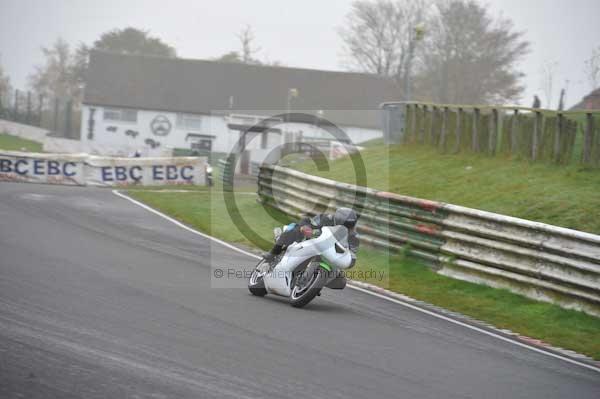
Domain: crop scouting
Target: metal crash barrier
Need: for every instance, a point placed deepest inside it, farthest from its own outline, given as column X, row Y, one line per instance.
column 540, row 261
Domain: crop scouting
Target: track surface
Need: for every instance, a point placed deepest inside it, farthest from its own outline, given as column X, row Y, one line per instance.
column 100, row 298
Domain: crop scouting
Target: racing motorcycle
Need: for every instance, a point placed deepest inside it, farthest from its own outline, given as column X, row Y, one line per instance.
column 305, row 267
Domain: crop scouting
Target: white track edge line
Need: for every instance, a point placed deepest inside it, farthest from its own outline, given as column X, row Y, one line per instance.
column 481, row 330
column 394, row 300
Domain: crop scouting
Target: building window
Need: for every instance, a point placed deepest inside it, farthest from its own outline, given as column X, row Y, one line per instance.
column 120, row 115
column 188, row 121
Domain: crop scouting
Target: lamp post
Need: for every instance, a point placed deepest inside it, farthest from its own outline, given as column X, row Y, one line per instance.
column 292, row 93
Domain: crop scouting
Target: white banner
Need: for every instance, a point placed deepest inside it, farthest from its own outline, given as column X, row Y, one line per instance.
column 33, row 167
column 82, row 169
column 108, row 171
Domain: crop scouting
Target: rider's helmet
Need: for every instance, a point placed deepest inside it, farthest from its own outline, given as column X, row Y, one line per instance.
column 345, row 217
column 322, row 219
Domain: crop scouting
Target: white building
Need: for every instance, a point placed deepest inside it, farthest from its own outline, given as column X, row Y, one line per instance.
column 157, row 105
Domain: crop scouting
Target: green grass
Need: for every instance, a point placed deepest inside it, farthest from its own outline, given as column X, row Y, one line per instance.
column 567, row 196
column 13, row 143
column 205, row 210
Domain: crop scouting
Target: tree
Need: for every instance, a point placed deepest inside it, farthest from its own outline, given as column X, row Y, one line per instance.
column 592, row 69
column 5, row 90
column 246, row 37
column 133, row 41
column 56, row 77
column 124, row 41
column 469, row 57
column 247, row 52
column 232, row 56
column 63, row 74
column 381, row 37
column 547, row 81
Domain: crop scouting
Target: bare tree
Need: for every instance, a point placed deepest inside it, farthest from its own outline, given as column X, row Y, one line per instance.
column 247, row 52
column 57, row 77
column 469, row 57
column 381, row 36
column 592, row 69
column 246, row 38
column 5, row 90
column 547, row 81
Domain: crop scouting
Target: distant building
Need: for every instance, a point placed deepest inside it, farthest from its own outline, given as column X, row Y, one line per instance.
column 591, row 101
column 153, row 105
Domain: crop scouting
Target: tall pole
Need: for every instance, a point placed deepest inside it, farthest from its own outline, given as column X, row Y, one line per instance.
column 419, row 32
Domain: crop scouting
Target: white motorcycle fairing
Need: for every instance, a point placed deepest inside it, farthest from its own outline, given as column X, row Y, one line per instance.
column 333, row 253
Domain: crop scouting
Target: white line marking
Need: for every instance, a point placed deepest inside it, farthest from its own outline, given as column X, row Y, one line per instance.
column 491, row 334
column 396, row 301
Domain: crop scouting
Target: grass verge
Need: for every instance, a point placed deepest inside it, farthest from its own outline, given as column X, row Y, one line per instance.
column 567, row 196
column 206, row 211
column 14, row 143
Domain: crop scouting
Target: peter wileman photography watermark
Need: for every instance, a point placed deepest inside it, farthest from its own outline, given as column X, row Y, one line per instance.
column 244, row 273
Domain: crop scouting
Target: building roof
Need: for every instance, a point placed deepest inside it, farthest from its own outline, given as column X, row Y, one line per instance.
column 594, row 93
column 199, row 86
column 582, row 105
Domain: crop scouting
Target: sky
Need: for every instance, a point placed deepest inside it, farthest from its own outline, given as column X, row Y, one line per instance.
column 296, row 33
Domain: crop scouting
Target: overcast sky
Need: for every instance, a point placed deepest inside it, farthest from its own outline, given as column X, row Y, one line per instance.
column 296, row 33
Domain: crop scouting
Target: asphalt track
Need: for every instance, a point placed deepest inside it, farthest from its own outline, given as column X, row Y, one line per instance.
column 100, row 298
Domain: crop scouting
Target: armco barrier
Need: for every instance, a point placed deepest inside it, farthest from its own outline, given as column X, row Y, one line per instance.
column 538, row 260
column 225, row 169
column 83, row 169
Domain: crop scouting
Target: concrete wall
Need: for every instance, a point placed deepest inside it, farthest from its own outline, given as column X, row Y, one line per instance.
column 24, row 131
column 61, row 145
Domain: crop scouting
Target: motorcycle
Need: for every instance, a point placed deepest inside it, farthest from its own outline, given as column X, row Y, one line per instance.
column 305, row 267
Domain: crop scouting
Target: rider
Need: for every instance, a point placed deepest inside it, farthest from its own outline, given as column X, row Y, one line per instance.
column 304, row 229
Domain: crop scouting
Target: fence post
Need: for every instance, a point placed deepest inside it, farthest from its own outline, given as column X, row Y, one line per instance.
column 475, row 133
column 432, row 135
column 535, row 137
column 413, row 121
column 68, row 113
column 422, row 127
column 493, row 136
column 457, row 133
column 588, row 138
column 55, row 114
column 40, row 108
column 16, row 107
column 444, row 127
column 558, row 133
column 28, row 117
column 514, row 127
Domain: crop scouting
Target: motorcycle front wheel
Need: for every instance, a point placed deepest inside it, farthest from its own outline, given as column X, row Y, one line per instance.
column 256, row 284
column 307, row 285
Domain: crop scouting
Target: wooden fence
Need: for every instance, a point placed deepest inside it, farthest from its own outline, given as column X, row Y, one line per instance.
column 559, row 137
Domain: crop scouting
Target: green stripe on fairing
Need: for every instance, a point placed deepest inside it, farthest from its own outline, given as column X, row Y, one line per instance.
column 325, row 266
